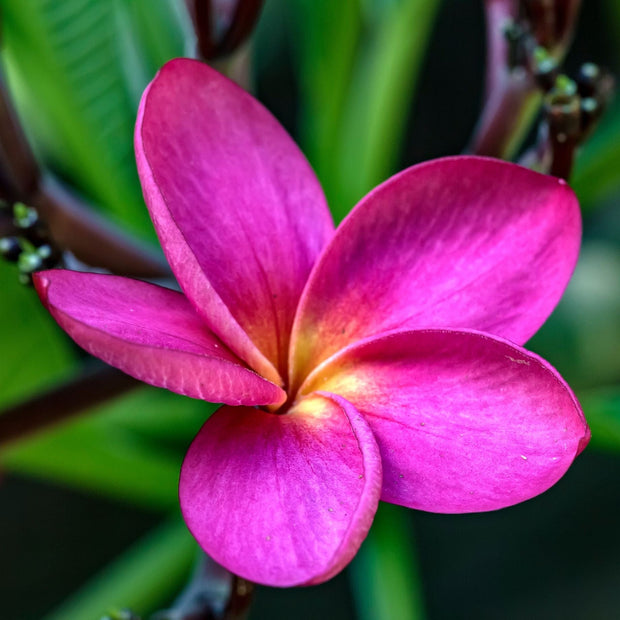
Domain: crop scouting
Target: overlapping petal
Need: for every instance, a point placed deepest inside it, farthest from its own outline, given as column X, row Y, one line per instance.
column 239, row 212
column 282, row 499
column 152, row 334
column 462, row 242
column 465, row 421
column 386, row 326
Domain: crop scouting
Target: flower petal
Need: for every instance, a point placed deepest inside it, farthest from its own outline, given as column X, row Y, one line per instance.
column 465, row 422
column 238, row 210
column 282, row 500
column 152, row 334
column 462, row 242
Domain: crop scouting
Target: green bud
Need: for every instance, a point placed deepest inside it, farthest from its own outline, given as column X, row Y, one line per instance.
column 541, row 55
column 24, row 216
column 564, row 86
column 29, row 262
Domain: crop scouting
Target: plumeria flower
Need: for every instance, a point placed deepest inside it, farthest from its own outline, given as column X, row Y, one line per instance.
column 382, row 360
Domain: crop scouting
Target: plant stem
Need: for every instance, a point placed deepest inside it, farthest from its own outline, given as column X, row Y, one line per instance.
column 507, row 115
column 498, row 13
column 63, row 402
column 511, row 93
column 212, row 592
column 90, row 237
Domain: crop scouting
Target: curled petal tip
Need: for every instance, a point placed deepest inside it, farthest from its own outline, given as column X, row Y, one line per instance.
column 41, row 284
column 466, row 422
column 584, row 441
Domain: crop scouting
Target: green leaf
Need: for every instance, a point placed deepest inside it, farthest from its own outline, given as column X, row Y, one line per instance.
column 159, row 416
column 149, row 34
column 35, row 353
column 376, row 111
column 129, row 449
column 163, row 29
column 611, row 10
column 602, row 411
column 582, row 337
column 597, row 175
column 143, row 579
column 385, row 577
column 66, row 72
column 327, row 37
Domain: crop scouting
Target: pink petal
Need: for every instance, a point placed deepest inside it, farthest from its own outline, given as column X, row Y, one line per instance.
column 465, row 422
column 282, row 500
column 152, row 334
column 238, row 210
column 462, row 242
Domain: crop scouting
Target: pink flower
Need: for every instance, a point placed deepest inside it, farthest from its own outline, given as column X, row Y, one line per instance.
column 390, row 347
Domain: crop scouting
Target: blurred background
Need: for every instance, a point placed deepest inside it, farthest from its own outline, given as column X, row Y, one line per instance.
column 88, row 508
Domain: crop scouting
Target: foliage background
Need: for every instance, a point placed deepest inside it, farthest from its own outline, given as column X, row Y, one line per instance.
column 73, row 500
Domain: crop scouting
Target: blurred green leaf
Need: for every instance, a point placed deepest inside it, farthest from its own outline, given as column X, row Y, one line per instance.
column 327, row 42
column 602, row 411
column 611, row 10
column 160, row 416
column 597, row 175
column 150, row 34
column 130, row 449
column 68, row 73
column 385, row 579
column 375, row 113
column 582, row 337
column 163, row 30
column 143, row 579
column 35, row 353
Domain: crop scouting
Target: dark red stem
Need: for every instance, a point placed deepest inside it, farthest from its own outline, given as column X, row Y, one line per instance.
column 74, row 396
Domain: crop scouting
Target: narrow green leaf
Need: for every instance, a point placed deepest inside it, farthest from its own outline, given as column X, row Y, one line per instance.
column 162, row 28
column 375, row 114
column 143, row 579
column 327, row 40
column 149, row 34
column 66, row 73
column 99, row 458
column 129, row 449
column 384, row 574
column 159, row 416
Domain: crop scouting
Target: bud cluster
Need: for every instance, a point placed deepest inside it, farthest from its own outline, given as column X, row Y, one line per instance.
column 537, row 38
column 31, row 246
column 571, row 110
